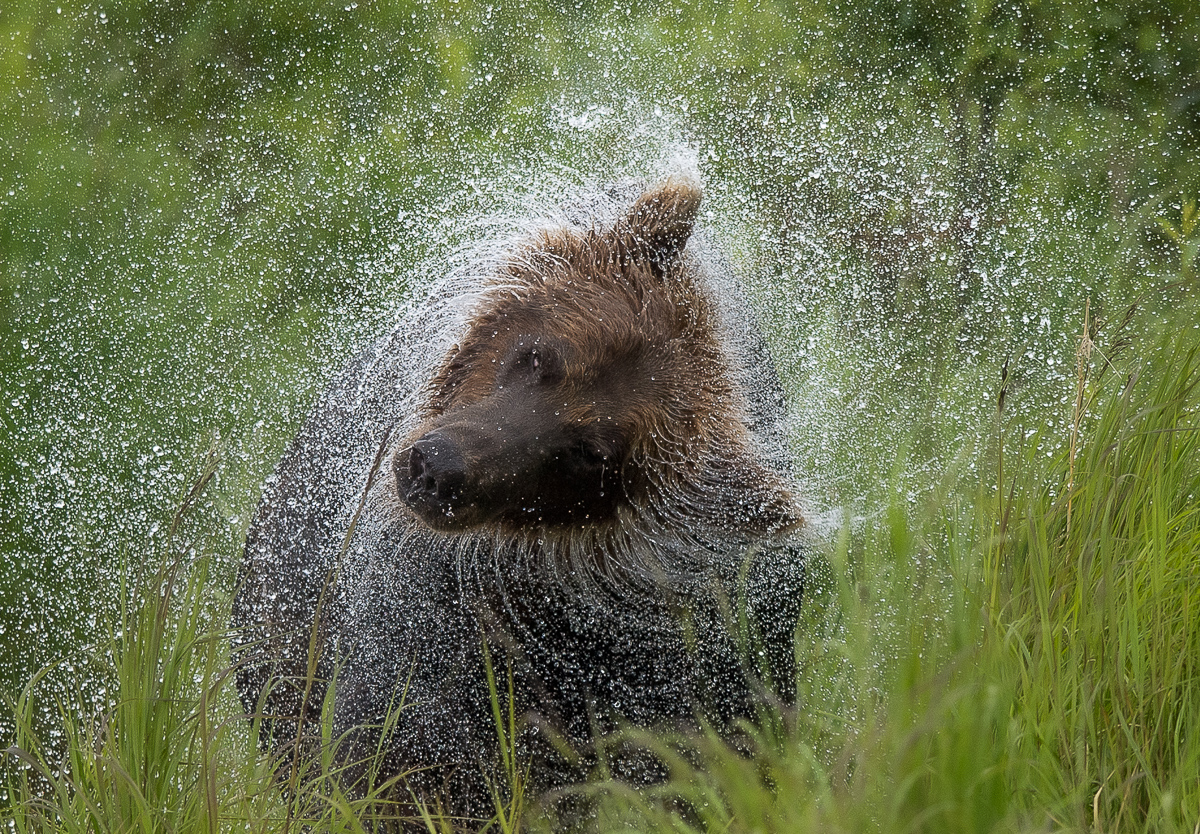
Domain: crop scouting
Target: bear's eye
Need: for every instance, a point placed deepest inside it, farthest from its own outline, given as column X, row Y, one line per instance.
column 596, row 450
column 539, row 362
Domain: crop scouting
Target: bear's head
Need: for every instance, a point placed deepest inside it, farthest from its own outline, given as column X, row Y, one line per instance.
column 592, row 386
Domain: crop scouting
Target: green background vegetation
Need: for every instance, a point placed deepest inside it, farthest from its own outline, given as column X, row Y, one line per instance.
column 206, row 207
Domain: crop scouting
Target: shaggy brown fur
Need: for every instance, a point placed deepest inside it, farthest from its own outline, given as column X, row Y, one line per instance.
column 580, row 481
column 629, row 345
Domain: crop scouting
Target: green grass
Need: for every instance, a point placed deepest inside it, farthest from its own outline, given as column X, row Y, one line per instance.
column 205, row 208
column 1009, row 657
column 1031, row 664
column 166, row 746
column 1104, row 603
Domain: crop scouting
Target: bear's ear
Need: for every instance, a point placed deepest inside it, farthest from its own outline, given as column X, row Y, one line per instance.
column 659, row 224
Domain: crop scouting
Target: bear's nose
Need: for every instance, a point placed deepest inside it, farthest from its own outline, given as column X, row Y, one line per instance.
column 432, row 477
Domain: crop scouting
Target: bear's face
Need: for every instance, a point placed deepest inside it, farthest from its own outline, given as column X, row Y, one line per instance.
column 538, row 414
column 590, row 377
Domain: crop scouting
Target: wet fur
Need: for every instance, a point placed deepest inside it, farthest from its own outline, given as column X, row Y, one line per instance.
column 626, row 615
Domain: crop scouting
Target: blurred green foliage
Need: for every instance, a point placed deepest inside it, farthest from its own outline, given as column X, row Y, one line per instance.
column 195, row 196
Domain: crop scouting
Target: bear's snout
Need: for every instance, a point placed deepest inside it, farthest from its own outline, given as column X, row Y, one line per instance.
column 508, row 464
column 431, row 477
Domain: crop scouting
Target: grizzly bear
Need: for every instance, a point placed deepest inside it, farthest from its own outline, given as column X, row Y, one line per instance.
column 565, row 471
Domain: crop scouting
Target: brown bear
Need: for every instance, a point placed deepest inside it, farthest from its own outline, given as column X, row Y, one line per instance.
column 568, row 463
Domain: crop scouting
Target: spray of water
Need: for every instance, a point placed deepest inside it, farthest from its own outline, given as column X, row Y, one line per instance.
column 842, row 231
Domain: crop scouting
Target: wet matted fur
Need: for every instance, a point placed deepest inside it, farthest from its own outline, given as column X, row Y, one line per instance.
column 582, row 467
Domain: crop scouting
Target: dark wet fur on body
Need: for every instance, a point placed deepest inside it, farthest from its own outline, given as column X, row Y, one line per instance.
column 582, row 479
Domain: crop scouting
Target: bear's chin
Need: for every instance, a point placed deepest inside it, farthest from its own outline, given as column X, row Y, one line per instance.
column 517, row 524
column 462, row 520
